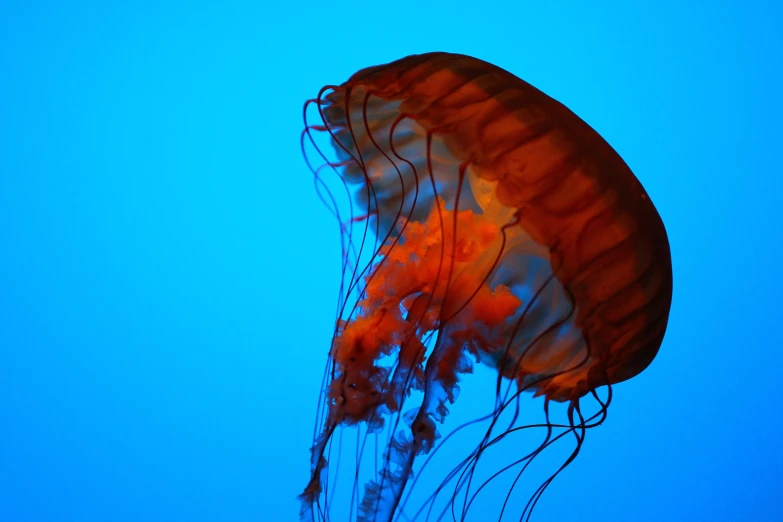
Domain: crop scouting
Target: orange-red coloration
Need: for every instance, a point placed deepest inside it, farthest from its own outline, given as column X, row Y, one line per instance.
column 505, row 230
column 408, row 294
column 571, row 193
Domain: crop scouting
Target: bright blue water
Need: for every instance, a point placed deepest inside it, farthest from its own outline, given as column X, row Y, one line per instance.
column 168, row 276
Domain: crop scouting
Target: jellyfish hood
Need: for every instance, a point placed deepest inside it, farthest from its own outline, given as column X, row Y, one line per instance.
column 527, row 159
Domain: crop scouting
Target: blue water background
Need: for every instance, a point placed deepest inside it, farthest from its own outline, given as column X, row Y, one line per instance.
column 168, row 275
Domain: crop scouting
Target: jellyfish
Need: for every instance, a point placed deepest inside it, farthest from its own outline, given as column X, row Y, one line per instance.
column 486, row 226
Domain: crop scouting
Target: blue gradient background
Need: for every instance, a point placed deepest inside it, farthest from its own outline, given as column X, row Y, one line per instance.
column 168, row 276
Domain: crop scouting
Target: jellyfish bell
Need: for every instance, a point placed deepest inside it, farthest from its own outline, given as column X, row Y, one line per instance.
column 489, row 225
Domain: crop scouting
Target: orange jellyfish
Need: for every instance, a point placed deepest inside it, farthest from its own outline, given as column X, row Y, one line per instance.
column 488, row 224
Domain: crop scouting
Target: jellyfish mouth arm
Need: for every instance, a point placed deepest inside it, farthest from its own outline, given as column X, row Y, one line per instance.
column 433, row 279
column 312, row 492
column 382, row 497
